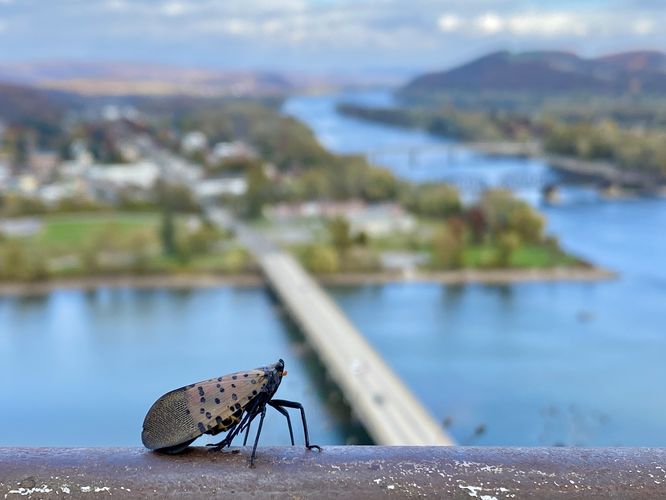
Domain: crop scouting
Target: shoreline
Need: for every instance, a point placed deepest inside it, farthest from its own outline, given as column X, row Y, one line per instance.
column 458, row 277
column 598, row 170
column 474, row 276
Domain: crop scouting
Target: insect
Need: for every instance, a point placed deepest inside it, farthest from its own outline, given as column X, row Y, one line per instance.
column 228, row 403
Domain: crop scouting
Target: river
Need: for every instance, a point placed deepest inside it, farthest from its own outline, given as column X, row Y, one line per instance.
column 530, row 364
column 81, row 368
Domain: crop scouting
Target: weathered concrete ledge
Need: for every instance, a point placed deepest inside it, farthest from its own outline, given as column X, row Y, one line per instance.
column 337, row 472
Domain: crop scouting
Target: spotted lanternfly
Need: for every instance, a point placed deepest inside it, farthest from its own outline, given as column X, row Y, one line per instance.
column 227, row 403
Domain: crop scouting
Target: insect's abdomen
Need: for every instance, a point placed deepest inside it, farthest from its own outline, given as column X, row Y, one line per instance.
column 169, row 423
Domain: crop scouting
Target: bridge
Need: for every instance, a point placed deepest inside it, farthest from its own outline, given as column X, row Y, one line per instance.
column 454, row 152
column 390, row 413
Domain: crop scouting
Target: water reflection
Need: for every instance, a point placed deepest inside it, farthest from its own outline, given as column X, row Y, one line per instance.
column 82, row 367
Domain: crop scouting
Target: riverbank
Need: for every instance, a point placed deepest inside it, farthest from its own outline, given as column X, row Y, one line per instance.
column 606, row 172
column 639, row 178
column 470, row 276
column 490, row 277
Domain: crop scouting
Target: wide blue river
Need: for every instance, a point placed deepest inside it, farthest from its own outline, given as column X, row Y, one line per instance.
column 529, row 364
column 532, row 364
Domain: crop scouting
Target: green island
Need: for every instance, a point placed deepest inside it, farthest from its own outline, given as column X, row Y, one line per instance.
column 498, row 232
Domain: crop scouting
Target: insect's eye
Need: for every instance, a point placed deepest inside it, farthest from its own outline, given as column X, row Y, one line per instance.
column 284, row 373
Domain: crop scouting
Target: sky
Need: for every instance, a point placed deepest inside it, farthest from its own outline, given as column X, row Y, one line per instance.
column 351, row 36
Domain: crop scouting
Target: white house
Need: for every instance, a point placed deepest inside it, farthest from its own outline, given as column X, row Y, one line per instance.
column 212, row 188
column 193, row 142
column 227, row 150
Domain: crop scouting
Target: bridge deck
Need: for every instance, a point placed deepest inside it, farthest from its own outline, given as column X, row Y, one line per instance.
column 386, row 407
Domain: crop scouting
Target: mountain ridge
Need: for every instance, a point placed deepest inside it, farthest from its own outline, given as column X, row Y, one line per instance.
column 550, row 72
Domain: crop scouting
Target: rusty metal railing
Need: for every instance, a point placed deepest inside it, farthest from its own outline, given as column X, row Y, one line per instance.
column 347, row 472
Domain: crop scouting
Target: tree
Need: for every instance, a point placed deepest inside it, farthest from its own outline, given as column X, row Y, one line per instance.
column 257, row 193
column 340, row 233
column 507, row 243
column 168, row 232
column 476, row 221
column 321, row 259
column 448, row 248
column 178, row 196
column 434, row 200
column 527, row 223
column 21, row 263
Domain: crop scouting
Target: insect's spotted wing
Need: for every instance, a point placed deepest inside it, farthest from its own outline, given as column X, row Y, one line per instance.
column 217, row 404
column 210, row 406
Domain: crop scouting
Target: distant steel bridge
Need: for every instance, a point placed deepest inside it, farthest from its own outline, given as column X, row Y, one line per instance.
column 454, row 152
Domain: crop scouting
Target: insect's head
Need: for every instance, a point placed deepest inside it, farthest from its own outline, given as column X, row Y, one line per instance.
column 279, row 366
column 274, row 372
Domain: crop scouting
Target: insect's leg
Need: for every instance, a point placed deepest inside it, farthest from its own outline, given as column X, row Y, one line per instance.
column 247, row 432
column 293, row 404
column 286, row 414
column 235, row 430
column 256, row 439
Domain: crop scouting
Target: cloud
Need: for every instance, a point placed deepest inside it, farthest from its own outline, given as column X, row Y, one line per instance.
column 313, row 32
column 490, row 23
column 547, row 24
column 174, row 9
column 116, row 5
column 643, row 26
column 521, row 24
column 449, row 22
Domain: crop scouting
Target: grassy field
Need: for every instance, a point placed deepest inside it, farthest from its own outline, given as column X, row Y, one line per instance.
column 526, row 256
column 71, row 232
column 83, row 245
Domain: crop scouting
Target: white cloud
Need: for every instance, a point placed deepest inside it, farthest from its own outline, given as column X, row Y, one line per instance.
column 116, row 5
column 546, row 24
column 174, row 9
column 643, row 26
column 359, row 31
column 490, row 23
column 449, row 22
column 525, row 24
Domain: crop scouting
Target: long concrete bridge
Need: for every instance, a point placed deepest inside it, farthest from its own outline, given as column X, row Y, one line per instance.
column 388, row 410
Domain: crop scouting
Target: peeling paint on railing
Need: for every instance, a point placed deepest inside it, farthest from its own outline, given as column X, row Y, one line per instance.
column 366, row 472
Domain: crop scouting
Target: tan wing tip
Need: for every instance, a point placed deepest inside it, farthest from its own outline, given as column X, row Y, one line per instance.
column 167, row 423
